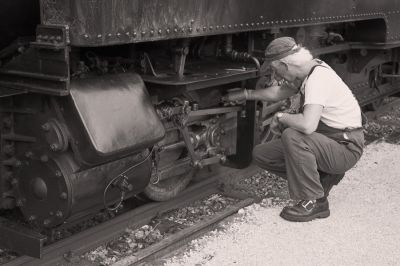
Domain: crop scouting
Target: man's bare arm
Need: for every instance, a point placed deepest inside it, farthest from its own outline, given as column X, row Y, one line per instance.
column 306, row 122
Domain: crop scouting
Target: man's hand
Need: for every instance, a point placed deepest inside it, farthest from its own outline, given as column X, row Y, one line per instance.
column 276, row 127
column 236, row 95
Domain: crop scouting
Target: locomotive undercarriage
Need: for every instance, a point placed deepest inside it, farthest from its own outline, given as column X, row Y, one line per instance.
column 58, row 167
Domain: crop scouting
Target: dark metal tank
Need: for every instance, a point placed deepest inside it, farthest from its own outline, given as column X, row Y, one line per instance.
column 104, row 22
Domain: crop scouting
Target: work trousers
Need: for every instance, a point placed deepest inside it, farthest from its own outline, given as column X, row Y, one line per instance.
column 299, row 158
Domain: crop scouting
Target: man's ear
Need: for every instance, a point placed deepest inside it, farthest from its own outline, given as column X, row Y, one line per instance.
column 283, row 65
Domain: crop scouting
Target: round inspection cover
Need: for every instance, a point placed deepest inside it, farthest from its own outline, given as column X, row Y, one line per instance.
column 44, row 192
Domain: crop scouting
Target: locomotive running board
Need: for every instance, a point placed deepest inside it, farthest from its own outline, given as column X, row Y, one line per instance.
column 21, row 239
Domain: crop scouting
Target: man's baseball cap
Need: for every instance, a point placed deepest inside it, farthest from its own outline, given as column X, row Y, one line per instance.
column 277, row 49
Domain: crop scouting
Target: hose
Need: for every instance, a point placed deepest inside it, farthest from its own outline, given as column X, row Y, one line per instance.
column 125, row 178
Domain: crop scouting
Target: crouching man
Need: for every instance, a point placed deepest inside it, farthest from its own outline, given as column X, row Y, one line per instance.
column 320, row 142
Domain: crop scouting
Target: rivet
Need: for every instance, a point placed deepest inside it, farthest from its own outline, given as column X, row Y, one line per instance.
column 198, row 29
column 175, row 30
column 86, row 36
column 134, row 34
column 63, row 196
column 99, row 36
column 192, row 21
column 190, row 29
column 28, row 154
column 32, row 218
column 127, row 33
column 204, row 28
column 229, row 26
column 252, row 24
column 59, row 214
column 217, row 27
column 168, row 31
column 143, row 33
column 118, row 34
column 262, row 23
column 58, row 173
column 241, row 25
column 183, row 29
column 152, row 32
column 261, row 17
column 109, row 35
column 211, row 27
column 258, row 24
column 44, row 158
column 236, row 25
column 14, row 182
column 46, row 222
column 223, row 26
column 247, row 25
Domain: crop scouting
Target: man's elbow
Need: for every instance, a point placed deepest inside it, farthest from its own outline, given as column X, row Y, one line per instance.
column 309, row 128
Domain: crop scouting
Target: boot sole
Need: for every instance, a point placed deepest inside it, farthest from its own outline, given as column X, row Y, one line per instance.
column 323, row 214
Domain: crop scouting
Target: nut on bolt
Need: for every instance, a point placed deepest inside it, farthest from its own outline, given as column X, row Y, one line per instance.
column 54, row 147
column 46, row 126
column 198, row 164
column 14, row 182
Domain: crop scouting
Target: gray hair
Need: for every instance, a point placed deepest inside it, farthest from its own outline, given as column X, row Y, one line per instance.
column 299, row 58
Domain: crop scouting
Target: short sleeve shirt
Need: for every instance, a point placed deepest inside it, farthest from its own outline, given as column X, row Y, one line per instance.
column 340, row 107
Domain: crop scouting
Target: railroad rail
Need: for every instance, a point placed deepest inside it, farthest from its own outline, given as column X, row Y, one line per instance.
column 68, row 249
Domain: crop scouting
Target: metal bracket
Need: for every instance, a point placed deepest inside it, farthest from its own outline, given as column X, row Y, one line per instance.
column 21, row 239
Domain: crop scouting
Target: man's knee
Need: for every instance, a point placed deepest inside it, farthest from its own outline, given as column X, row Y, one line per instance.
column 290, row 135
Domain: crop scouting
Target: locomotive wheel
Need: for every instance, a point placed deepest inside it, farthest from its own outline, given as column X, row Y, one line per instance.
column 169, row 188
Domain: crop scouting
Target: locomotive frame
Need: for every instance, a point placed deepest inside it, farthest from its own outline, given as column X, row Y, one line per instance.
column 107, row 99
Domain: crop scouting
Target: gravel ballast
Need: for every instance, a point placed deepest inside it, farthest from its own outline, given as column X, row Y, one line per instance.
column 363, row 229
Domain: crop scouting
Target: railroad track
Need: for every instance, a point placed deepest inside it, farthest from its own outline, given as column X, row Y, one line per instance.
column 67, row 250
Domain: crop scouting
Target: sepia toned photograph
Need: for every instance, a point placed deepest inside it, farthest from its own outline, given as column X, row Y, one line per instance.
column 199, row 132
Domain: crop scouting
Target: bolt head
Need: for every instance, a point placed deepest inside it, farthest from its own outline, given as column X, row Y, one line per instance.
column 54, row 147
column 46, row 126
column 20, row 203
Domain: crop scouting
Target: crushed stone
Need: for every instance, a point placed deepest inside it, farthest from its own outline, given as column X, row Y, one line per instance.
column 363, row 228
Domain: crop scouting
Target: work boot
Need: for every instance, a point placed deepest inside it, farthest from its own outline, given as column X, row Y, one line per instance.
column 306, row 210
column 328, row 181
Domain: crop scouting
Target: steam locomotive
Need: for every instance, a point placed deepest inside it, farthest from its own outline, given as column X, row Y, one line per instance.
column 101, row 100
